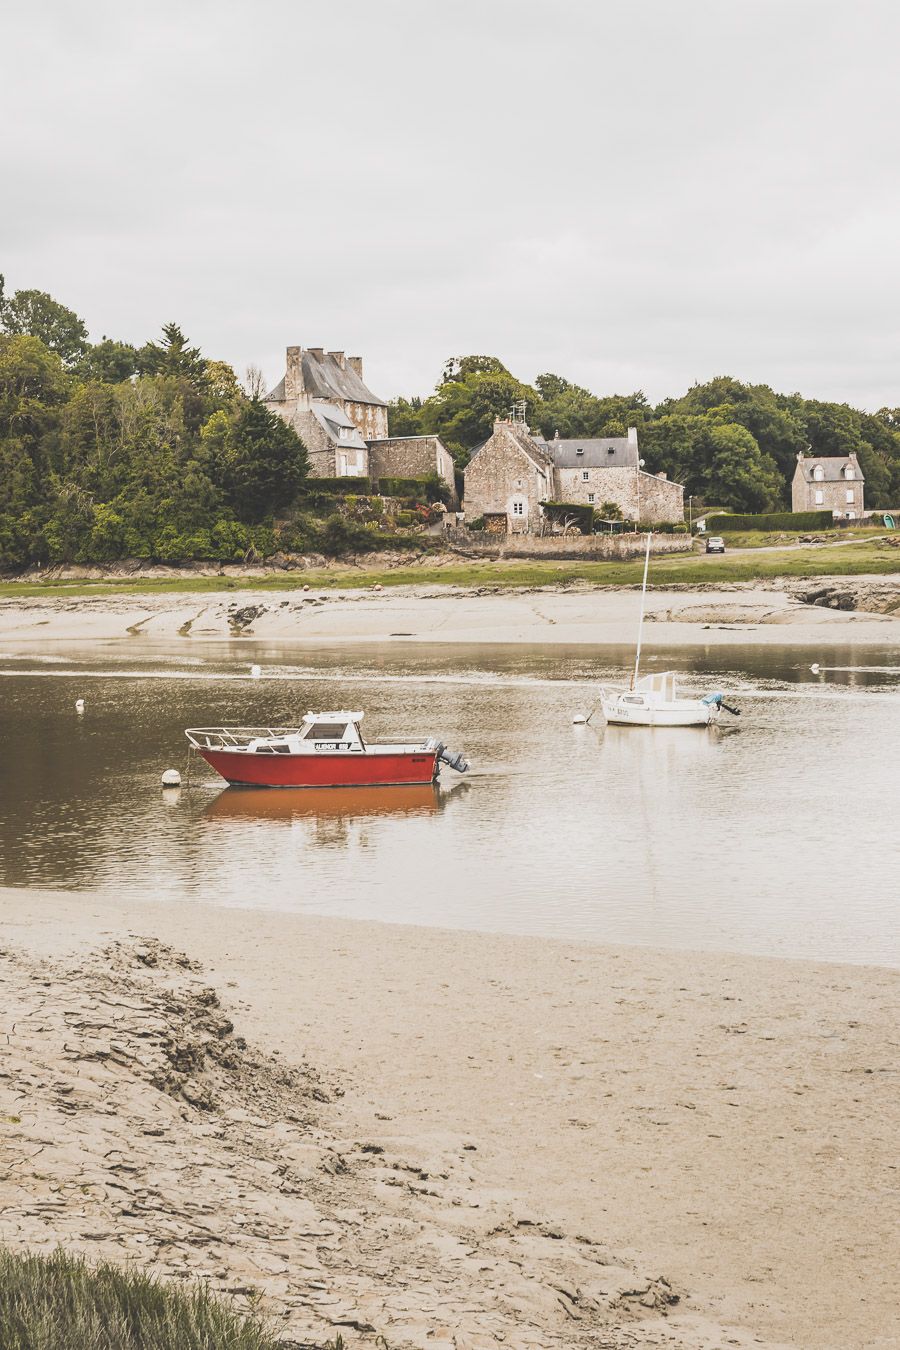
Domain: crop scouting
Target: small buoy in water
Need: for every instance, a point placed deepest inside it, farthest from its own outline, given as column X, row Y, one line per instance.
column 815, row 667
column 79, row 705
column 255, row 672
column 171, row 778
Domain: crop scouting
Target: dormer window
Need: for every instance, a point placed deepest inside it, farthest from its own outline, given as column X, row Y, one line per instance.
column 610, row 449
column 848, row 472
column 819, row 473
column 579, row 452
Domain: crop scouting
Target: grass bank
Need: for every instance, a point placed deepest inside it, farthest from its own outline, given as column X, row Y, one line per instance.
column 774, row 539
column 860, row 559
column 61, row 1303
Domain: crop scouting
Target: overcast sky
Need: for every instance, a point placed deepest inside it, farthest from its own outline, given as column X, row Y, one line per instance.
column 640, row 194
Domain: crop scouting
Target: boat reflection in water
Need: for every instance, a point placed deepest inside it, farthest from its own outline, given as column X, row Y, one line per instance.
column 338, row 803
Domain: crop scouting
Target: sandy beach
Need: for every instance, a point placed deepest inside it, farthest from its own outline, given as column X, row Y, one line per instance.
column 454, row 1139
column 828, row 611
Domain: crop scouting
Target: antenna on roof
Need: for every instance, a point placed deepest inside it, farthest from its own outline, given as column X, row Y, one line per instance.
column 517, row 411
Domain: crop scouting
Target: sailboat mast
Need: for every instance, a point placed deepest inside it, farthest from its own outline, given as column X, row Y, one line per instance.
column 637, row 655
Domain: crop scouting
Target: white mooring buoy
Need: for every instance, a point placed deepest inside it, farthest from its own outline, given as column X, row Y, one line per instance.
column 79, row 705
column 815, row 668
column 171, row 778
column 255, row 672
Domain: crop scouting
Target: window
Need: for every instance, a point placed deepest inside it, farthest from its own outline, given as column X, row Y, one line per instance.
column 579, row 452
column 585, row 477
column 518, row 508
column 325, row 731
column 820, row 496
column 849, row 494
column 590, row 496
column 819, row 473
column 848, row 472
column 610, row 449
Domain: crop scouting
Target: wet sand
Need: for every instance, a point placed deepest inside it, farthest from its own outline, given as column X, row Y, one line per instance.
column 551, row 616
column 452, row 1138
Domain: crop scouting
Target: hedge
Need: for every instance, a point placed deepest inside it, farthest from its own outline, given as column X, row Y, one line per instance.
column 575, row 512
column 337, row 487
column 778, row 520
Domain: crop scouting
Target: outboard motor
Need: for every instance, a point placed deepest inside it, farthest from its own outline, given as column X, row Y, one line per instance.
column 457, row 762
column 445, row 756
column 719, row 700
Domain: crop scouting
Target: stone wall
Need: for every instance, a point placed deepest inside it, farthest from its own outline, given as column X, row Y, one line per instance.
column 371, row 419
column 319, row 446
column 639, row 496
column 502, row 475
column 412, row 457
column 834, row 495
column 595, row 546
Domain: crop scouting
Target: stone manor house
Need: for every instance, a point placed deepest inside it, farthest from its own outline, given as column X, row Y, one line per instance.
column 344, row 426
column 832, row 483
column 514, row 471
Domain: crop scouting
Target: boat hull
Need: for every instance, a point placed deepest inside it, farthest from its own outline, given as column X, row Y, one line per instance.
column 659, row 715
column 323, row 770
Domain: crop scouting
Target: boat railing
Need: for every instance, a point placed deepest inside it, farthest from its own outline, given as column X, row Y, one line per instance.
column 233, row 738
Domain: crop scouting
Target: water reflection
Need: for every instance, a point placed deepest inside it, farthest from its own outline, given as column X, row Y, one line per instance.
column 286, row 804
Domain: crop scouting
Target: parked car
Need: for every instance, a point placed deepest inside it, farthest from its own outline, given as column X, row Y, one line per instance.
column 715, row 544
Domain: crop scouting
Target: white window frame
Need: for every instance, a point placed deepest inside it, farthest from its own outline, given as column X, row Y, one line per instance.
column 591, row 496
column 820, row 496
column 518, row 507
column 585, row 476
column 818, row 474
column 850, row 497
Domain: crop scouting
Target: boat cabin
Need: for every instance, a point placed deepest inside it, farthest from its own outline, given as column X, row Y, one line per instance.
column 320, row 731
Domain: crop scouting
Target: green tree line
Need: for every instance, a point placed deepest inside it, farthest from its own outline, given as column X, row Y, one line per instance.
column 731, row 444
column 110, row 451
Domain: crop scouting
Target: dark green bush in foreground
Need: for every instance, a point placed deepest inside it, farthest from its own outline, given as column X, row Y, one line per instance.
column 61, row 1303
column 775, row 520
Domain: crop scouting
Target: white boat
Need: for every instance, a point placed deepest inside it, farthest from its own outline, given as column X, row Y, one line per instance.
column 654, row 701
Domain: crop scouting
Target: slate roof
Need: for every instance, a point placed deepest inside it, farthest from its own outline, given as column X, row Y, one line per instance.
column 327, row 379
column 609, row 452
column 834, row 466
column 331, row 419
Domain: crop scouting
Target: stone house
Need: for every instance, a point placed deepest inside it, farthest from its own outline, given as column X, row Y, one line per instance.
column 344, row 425
column 514, row 471
column 832, row 483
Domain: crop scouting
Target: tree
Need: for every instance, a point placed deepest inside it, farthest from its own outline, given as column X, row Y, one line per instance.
column 463, row 409
column 258, row 458
column 36, row 314
column 173, row 356
column 109, row 361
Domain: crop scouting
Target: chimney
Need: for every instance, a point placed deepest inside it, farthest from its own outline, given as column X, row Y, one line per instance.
column 355, row 363
column 339, row 357
column 661, row 474
column 632, row 436
column 293, row 378
column 317, row 352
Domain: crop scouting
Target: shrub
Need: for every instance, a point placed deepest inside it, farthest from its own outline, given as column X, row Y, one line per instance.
column 776, row 520
column 572, row 512
column 335, row 487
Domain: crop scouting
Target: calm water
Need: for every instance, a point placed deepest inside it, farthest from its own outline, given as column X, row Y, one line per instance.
column 776, row 833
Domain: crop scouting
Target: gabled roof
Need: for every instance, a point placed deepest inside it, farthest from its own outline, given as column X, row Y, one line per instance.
column 324, row 377
column 532, row 449
column 833, row 467
column 607, row 452
column 332, row 421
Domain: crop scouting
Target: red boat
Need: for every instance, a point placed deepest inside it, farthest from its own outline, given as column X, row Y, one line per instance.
column 328, row 750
